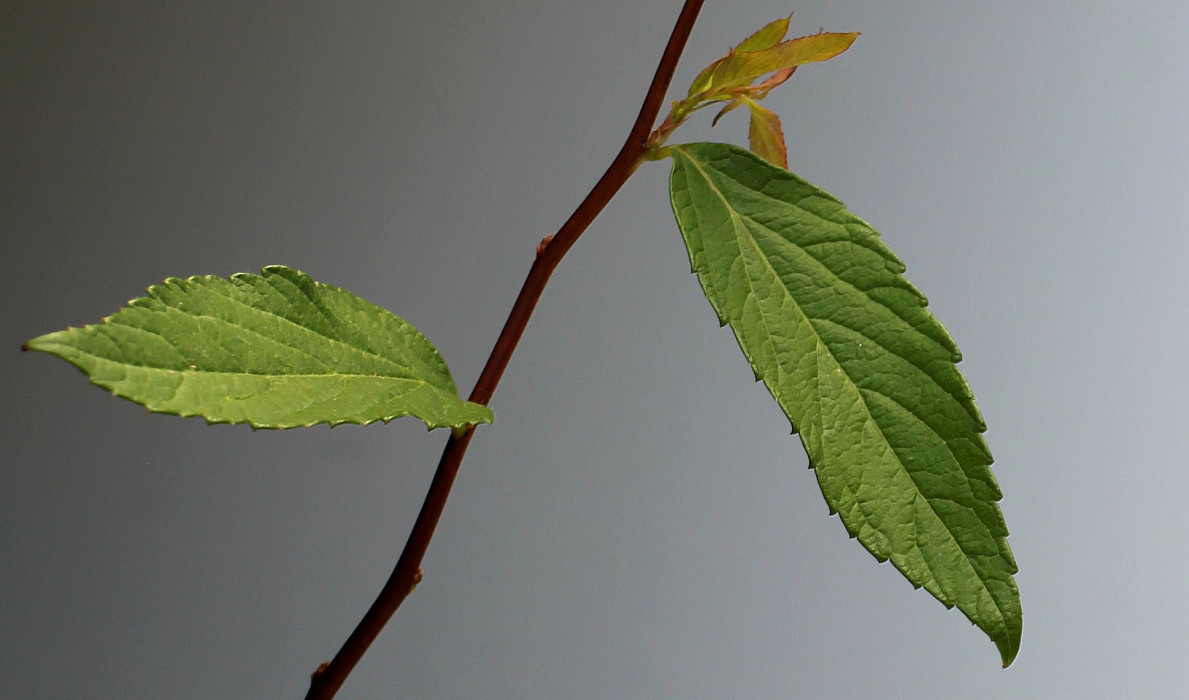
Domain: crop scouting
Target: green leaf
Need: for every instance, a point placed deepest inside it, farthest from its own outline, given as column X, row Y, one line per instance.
column 276, row 350
column 863, row 371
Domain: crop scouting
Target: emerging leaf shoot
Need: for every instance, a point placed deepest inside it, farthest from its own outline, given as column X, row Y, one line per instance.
column 741, row 66
column 276, row 350
column 729, row 81
column 861, row 368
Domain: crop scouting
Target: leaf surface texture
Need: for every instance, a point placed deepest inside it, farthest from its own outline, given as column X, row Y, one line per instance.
column 864, row 372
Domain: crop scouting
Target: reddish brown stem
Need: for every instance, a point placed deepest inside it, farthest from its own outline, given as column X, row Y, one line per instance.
column 329, row 678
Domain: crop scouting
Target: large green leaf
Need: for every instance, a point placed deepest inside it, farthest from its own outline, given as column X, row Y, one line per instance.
column 864, row 372
column 276, row 350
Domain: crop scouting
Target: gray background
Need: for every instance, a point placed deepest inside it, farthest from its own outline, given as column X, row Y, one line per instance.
column 638, row 523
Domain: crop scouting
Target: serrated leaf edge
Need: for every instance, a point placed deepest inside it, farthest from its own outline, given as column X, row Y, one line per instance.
column 1009, row 639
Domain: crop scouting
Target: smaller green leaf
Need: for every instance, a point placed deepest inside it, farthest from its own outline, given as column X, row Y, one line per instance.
column 276, row 350
column 765, row 137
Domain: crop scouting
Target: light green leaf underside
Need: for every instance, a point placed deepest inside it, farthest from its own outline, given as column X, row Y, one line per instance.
column 276, row 350
column 863, row 371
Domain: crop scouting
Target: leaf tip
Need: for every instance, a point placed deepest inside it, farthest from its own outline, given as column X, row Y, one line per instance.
column 41, row 342
column 1008, row 651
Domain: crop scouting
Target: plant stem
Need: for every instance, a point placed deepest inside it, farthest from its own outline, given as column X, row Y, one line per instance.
column 328, row 679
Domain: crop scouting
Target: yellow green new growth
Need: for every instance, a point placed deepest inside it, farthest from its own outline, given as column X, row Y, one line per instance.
column 730, row 81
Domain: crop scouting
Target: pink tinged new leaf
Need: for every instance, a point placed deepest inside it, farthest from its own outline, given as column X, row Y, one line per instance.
column 760, row 90
column 765, row 137
column 756, row 92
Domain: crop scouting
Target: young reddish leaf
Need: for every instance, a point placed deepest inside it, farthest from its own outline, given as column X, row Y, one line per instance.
column 765, row 137
column 761, row 89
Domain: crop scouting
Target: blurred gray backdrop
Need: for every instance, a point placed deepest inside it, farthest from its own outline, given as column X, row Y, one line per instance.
column 638, row 523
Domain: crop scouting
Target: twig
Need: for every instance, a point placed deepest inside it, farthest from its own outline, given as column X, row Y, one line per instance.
column 326, row 681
